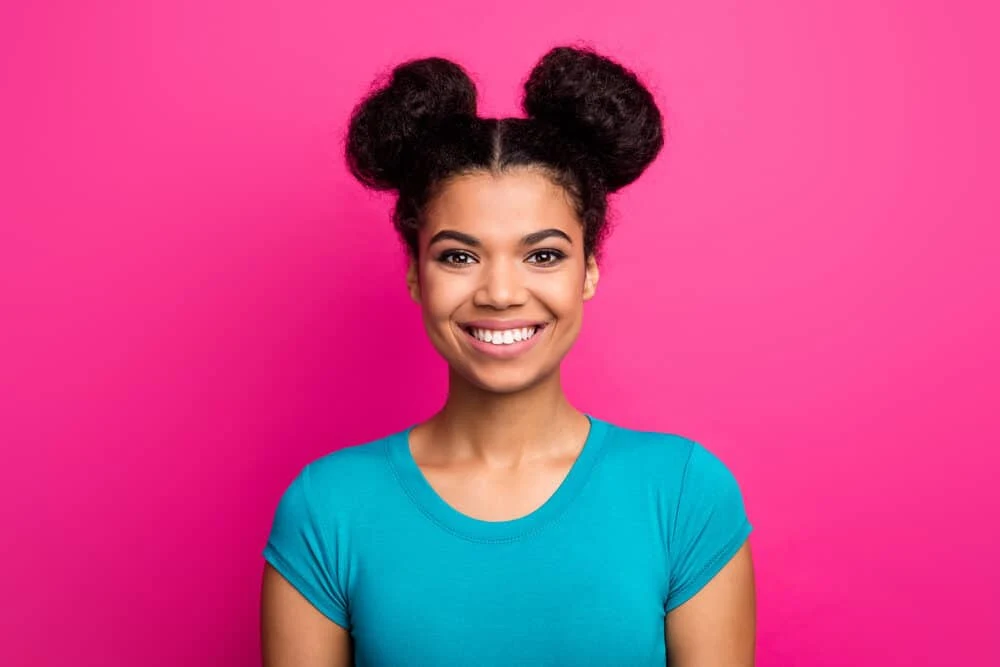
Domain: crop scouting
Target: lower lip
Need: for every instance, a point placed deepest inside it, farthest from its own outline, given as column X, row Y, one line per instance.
column 503, row 351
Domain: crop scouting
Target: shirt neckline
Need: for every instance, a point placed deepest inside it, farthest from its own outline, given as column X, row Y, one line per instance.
column 424, row 496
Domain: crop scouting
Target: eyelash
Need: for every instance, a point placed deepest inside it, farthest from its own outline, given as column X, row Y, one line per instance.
column 556, row 256
column 446, row 257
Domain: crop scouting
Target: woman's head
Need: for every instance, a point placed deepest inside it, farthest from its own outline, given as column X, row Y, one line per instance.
column 504, row 218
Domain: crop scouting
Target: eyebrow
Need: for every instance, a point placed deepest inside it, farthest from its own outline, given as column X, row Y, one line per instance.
column 472, row 241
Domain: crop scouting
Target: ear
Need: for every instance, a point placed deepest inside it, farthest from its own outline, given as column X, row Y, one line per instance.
column 590, row 278
column 413, row 280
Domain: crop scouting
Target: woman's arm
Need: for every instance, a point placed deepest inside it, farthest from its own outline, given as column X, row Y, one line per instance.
column 717, row 626
column 294, row 633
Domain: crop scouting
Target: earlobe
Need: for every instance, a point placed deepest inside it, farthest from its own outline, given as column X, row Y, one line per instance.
column 591, row 277
column 413, row 280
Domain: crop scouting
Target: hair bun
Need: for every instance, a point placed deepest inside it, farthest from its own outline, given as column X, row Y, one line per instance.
column 386, row 125
column 601, row 104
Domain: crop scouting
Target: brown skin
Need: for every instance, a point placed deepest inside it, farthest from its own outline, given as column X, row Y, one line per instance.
column 717, row 626
column 503, row 418
column 294, row 633
column 507, row 436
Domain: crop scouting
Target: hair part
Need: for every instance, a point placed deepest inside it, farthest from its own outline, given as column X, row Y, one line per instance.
column 590, row 126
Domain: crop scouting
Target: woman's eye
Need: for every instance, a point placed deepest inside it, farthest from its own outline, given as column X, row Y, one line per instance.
column 456, row 257
column 545, row 257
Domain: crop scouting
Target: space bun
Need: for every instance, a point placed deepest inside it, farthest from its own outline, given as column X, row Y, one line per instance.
column 388, row 125
column 602, row 106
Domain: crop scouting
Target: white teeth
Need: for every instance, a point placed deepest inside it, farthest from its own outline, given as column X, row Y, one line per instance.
column 505, row 337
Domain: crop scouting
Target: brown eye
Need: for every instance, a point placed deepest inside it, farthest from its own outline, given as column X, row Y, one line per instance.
column 456, row 257
column 546, row 257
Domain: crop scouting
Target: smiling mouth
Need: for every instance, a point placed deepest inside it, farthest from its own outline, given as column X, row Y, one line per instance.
column 500, row 337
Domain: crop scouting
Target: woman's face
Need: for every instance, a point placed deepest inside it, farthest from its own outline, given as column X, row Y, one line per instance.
column 502, row 277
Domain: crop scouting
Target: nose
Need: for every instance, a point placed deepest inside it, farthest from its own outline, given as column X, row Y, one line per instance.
column 502, row 286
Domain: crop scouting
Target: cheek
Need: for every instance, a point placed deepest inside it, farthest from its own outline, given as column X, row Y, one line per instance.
column 440, row 294
column 563, row 296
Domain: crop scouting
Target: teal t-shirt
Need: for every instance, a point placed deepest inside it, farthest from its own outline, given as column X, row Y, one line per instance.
column 640, row 524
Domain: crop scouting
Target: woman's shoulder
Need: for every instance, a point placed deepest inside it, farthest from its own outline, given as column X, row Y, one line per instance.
column 352, row 455
column 690, row 479
column 673, row 456
column 651, row 444
column 350, row 471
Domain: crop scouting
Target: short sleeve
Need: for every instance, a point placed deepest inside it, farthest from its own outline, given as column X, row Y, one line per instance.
column 298, row 549
column 710, row 525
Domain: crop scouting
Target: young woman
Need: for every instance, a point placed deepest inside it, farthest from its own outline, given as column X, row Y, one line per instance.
column 509, row 528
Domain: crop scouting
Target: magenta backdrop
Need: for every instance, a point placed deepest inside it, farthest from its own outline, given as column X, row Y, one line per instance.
column 197, row 300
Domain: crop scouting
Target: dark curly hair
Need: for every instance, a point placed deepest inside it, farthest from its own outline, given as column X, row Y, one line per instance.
column 591, row 126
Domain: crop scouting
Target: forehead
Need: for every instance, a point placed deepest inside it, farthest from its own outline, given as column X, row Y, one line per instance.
column 502, row 206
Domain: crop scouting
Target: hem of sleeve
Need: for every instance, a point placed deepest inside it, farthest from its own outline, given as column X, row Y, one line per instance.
column 306, row 589
column 711, row 569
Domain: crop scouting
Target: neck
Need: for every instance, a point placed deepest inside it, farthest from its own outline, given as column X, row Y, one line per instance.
column 506, row 429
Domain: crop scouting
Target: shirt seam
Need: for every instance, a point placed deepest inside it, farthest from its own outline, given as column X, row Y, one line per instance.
column 495, row 540
column 327, row 543
column 680, row 496
column 313, row 594
column 737, row 538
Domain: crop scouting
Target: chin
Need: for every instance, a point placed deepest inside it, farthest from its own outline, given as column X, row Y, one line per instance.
column 508, row 381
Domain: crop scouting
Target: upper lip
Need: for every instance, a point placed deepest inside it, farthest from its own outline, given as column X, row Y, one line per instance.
column 501, row 325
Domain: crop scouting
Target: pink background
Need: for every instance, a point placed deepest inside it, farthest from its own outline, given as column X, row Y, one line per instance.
column 195, row 300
